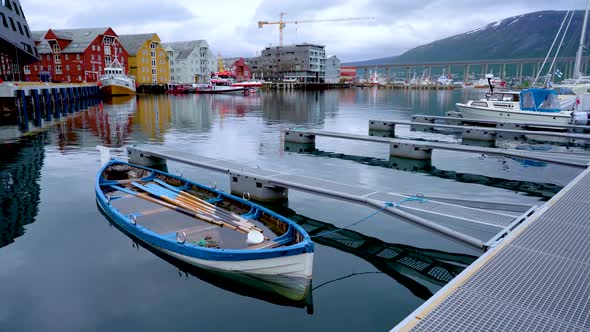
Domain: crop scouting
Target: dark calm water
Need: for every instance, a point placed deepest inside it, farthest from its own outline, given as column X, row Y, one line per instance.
column 64, row 268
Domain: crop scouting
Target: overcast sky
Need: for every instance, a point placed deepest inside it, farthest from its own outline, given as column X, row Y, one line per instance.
column 231, row 28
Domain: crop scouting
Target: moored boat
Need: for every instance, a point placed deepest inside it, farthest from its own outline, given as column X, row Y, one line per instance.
column 529, row 105
column 114, row 82
column 205, row 227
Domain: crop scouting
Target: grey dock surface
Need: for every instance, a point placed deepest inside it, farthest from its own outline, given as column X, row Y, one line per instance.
column 485, row 227
column 537, row 279
column 499, row 123
column 555, row 158
column 582, row 137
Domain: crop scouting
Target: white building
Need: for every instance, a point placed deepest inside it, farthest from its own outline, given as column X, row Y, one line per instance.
column 332, row 69
column 190, row 61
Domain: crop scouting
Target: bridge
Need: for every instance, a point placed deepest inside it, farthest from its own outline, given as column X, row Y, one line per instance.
column 500, row 66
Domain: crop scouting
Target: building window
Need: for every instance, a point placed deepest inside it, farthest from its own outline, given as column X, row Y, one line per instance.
column 93, row 68
column 79, row 78
column 153, row 54
column 4, row 20
column 15, row 8
column 154, row 79
column 98, row 47
column 91, row 56
column 20, row 28
column 55, row 48
column 78, row 57
column 12, row 23
column 40, row 67
column 107, row 60
column 153, row 63
column 79, row 67
column 67, row 67
column 56, row 58
column 99, row 68
column 154, row 71
column 26, row 70
column 58, row 69
column 107, row 50
column 67, row 57
column 153, row 45
column 68, row 78
column 93, row 48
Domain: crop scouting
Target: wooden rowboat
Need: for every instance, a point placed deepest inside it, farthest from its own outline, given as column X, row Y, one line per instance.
column 205, row 227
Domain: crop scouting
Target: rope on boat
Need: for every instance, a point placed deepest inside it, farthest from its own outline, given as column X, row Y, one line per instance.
column 418, row 197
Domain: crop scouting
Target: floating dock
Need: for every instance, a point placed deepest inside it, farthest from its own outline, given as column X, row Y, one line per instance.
column 422, row 150
column 537, row 279
column 506, row 131
column 264, row 185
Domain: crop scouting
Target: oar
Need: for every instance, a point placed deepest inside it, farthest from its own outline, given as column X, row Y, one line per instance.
column 208, row 205
column 173, row 201
column 176, row 208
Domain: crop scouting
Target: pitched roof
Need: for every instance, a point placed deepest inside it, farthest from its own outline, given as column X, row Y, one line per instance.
column 184, row 48
column 38, row 35
column 80, row 39
column 132, row 43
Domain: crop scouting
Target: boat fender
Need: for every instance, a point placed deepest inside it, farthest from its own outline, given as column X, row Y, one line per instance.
column 133, row 219
column 254, row 237
column 580, row 118
column 246, row 195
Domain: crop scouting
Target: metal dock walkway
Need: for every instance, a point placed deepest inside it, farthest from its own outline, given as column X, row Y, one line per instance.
column 449, row 219
column 537, row 279
column 303, row 135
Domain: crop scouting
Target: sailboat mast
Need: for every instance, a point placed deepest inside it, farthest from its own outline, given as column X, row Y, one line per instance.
column 578, row 65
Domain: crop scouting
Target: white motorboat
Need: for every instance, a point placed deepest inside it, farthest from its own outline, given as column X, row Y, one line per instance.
column 530, row 105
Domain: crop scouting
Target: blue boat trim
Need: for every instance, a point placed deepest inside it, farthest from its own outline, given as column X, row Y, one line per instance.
column 190, row 250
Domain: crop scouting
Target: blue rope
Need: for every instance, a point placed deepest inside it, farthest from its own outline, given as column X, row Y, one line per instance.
column 418, row 197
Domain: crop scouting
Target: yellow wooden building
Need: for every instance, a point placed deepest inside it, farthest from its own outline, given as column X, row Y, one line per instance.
column 148, row 61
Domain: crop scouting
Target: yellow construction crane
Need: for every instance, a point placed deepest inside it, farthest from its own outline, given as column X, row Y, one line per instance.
column 282, row 23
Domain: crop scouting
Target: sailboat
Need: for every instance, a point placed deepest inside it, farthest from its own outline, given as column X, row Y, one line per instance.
column 556, row 105
column 580, row 83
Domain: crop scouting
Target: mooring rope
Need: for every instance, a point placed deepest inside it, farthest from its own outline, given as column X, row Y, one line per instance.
column 418, row 197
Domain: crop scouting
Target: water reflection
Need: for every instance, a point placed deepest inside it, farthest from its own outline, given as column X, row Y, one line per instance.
column 20, row 170
column 112, row 121
column 534, row 189
column 421, row 271
column 154, row 116
column 294, row 107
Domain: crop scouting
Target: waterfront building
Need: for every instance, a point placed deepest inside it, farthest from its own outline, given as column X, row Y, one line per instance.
column 75, row 55
column 190, row 61
column 347, row 73
column 302, row 62
column 17, row 48
column 333, row 69
column 240, row 70
column 148, row 60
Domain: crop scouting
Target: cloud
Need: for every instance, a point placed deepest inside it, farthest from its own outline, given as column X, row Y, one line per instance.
column 231, row 28
column 130, row 12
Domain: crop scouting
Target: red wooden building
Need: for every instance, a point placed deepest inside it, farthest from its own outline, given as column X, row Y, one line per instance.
column 240, row 70
column 75, row 55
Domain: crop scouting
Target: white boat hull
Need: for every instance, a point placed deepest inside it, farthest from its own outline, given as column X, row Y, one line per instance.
column 220, row 89
column 515, row 116
column 115, row 86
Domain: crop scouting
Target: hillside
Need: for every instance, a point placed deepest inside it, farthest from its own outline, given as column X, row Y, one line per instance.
column 523, row 36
